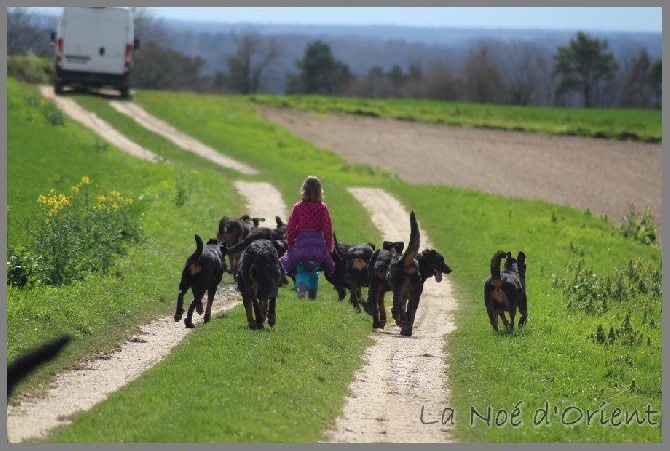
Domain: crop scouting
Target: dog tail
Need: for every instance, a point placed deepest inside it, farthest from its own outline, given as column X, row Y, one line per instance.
column 22, row 366
column 414, row 239
column 198, row 244
column 495, row 263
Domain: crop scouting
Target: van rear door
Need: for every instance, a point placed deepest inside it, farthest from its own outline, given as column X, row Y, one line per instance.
column 95, row 39
column 113, row 37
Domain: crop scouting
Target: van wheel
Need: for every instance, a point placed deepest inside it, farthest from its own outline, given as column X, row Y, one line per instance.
column 125, row 92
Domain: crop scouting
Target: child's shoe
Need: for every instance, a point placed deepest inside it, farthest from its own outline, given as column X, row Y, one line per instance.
column 301, row 290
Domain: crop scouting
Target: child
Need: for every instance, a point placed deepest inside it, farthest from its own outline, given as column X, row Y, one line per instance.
column 309, row 237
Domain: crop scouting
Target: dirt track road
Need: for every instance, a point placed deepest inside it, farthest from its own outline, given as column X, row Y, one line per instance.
column 602, row 175
column 401, row 375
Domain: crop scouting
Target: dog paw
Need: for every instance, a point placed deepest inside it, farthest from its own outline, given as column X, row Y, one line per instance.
column 177, row 317
column 206, row 318
column 271, row 321
column 253, row 325
column 199, row 308
column 189, row 324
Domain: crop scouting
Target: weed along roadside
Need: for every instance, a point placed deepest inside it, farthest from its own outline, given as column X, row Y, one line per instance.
column 80, row 390
column 589, row 356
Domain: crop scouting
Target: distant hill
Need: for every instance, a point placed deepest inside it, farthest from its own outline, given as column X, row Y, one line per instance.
column 362, row 47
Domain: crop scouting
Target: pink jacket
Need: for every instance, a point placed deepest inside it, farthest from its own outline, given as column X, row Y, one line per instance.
column 306, row 216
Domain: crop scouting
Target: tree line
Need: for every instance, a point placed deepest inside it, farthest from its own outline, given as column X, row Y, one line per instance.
column 584, row 72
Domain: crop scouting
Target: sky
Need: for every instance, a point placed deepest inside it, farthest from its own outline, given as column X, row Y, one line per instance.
column 637, row 19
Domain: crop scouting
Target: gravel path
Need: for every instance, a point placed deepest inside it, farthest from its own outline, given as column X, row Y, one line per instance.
column 402, row 375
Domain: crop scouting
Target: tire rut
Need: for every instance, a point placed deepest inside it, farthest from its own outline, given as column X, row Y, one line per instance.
column 403, row 377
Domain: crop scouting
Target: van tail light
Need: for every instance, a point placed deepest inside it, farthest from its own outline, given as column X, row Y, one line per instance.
column 59, row 49
column 129, row 55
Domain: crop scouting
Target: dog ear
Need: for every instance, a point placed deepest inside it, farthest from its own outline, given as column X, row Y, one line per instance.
column 521, row 258
column 195, row 268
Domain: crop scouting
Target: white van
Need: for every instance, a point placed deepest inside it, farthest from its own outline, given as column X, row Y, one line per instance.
column 94, row 48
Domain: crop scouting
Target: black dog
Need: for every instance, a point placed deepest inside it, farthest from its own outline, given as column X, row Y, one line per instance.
column 339, row 278
column 259, row 276
column 233, row 231
column 407, row 276
column 506, row 291
column 202, row 272
column 351, row 262
column 22, row 366
column 378, row 268
column 357, row 260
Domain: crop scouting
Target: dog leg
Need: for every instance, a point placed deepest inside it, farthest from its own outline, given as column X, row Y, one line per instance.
column 524, row 318
column 188, row 321
column 512, row 314
column 208, row 308
column 180, row 306
column 272, row 314
column 251, row 322
column 258, row 313
column 381, row 310
column 412, row 307
column 504, row 319
column 354, row 295
column 406, row 324
column 493, row 319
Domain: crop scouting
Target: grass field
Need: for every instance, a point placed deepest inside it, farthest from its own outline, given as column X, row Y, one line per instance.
column 250, row 383
column 643, row 125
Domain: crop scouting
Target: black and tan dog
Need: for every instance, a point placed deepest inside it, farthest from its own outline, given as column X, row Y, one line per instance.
column 259, row 276
column 351, row 269
column 506, row 291
column 357, row 260
column 407, row 276
column 232, row 231
column 202, row 273
column 378, row 284
column 338, row 279
column 256, row 233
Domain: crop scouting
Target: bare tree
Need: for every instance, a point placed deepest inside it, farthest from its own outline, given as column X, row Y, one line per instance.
column 28, row 33
column 254, row 58
column 525, row 71
column 483, row 81
column 636, row 91
column 441, row 83
column 148, row 28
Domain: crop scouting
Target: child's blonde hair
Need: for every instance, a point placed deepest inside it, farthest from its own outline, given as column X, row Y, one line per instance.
column 311, row 189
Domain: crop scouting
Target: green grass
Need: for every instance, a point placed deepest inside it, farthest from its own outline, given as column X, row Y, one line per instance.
column 99, row 311
column 244, row 388
column 278, row 385
column 644, row 125
column 554, row 359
